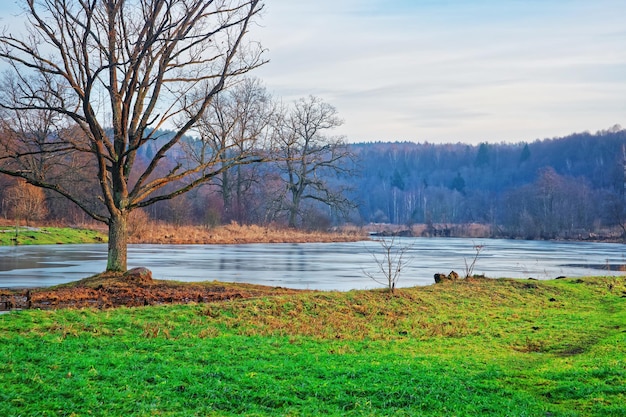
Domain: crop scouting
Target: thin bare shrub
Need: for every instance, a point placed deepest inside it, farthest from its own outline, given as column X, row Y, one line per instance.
column 390, row 264
column 469, row 268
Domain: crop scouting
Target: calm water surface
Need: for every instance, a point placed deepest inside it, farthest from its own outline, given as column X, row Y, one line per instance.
column 323, row 266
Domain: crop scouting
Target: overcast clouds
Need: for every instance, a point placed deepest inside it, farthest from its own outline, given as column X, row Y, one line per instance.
column 452, row 70
column 449, row 70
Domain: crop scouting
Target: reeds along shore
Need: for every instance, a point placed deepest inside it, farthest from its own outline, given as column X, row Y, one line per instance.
column 235, row 233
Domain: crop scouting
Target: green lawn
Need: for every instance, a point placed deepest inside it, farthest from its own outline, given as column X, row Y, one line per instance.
column 48, row 235
column 470, row 348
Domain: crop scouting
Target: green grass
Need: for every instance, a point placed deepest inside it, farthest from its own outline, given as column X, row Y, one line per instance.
column 470, row 348
column 48, row 236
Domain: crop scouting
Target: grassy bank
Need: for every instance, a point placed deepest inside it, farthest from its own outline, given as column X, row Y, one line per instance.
column 468, row 348
column 10, row 235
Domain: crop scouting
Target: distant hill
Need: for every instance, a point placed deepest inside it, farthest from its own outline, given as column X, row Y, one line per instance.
column 558, row 187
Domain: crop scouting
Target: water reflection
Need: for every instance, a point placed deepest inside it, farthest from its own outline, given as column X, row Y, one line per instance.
column 329, row 266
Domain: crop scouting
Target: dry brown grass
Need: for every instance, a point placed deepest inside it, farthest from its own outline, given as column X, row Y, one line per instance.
column 144, row 230
column 161, row 233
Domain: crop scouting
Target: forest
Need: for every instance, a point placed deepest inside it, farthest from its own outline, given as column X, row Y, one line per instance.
column 570, row 187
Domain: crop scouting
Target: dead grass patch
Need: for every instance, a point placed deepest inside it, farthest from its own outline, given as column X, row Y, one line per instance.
column 234, row 233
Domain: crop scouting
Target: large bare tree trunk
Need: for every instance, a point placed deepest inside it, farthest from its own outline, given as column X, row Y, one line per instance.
column 118, row 239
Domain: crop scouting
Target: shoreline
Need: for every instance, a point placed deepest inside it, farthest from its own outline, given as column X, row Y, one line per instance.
column 233, row 233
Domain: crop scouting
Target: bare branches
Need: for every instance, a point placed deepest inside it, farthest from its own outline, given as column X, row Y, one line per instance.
column 469, row 268
column 120, row 70
column 390, row 264
column 234, row 129
column 129, row 65
column 305, row 152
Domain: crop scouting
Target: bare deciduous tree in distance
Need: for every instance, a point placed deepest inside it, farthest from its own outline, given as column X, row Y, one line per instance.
column 238, row 121
column 26, row 202
column 306, row 151
column 121, row 71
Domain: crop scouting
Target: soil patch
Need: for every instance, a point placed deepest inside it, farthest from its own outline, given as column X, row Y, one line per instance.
column 114, row 290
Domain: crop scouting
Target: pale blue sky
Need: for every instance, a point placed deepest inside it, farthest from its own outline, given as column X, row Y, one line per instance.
column 452, row 70
column 448, row 70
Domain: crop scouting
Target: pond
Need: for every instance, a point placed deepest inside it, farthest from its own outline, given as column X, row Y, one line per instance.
column 320, row 266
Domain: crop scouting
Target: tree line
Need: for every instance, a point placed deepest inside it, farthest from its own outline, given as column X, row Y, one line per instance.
column 271, row 164
column 570, row 187
column 552, row 188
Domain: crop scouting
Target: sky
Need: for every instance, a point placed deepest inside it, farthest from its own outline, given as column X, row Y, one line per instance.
column 447, row 71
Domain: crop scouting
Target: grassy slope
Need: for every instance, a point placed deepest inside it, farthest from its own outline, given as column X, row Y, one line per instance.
column 49, row 236
column 479, row 347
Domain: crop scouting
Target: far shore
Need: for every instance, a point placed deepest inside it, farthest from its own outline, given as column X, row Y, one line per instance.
column 162, row 233
column 240, row 234
column 148, row 232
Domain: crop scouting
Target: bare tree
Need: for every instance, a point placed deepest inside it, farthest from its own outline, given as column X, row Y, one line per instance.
column 25, row 202
column 236, row 122
column 469, row 268
column 32, row 143
column 306, row 153
column 120, row 71
column 390, row 265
